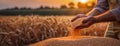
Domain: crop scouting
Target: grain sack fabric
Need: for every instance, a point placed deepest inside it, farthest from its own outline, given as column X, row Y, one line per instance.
column 79, row 41
column 113, row 29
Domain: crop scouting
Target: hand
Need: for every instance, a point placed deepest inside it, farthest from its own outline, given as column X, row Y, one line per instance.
column 78, row 16
column 88, row 21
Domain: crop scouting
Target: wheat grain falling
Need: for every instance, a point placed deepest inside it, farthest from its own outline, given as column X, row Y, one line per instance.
column 76, row 32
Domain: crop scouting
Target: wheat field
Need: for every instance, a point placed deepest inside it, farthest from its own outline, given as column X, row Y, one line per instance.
column 24, row 30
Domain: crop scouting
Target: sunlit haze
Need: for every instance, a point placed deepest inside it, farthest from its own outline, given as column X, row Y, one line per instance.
column 83, row 1
column 35, row 3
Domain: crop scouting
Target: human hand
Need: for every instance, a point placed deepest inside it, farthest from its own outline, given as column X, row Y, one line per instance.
column 88, row 21
column 78, row 16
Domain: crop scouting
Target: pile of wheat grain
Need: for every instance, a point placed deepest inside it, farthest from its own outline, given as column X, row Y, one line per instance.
column 22, row 30
column 79, row 41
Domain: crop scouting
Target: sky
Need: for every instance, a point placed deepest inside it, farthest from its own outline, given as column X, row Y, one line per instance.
column 32, row 3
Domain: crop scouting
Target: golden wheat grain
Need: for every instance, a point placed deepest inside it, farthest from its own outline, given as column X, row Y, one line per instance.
column 79, row 41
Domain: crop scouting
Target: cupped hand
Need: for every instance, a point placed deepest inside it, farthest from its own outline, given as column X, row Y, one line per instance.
column 78, row 16
column 88, row 21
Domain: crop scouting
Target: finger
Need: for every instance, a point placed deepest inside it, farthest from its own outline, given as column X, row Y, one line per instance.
column 74, row 19
column 81, row 26
column 81, row 15
column 78, row 16
column 86, row 25
column 84, row 16
column 85, row 21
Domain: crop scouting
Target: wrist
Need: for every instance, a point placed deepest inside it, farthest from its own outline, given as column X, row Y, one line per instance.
column 93, row 19
column 96, row 19
column 89, row 15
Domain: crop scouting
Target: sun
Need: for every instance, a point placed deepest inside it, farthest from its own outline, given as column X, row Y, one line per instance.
column 83, row 1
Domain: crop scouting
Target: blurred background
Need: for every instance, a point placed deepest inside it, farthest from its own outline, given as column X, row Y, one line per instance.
column 45, row 7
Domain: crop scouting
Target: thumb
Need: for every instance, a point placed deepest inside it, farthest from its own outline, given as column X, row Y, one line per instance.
column 85, row 20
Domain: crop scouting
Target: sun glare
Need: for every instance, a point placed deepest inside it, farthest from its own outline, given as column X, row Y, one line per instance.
column 83, row 1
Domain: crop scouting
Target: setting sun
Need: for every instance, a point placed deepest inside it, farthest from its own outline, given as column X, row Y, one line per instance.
column 83, row 1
